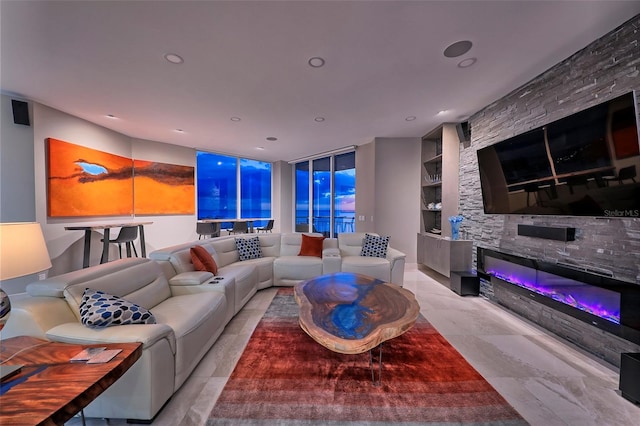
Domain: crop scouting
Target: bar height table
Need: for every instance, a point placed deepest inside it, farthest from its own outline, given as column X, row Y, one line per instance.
column 105, row 245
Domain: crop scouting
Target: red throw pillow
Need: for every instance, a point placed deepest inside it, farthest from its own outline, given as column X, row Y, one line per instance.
column 202, row 260
column 311, row 246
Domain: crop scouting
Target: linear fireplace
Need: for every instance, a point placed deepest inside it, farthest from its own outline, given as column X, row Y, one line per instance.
column 605, row 303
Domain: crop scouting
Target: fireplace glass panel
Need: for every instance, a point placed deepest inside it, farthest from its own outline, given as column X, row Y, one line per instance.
column 594, row 300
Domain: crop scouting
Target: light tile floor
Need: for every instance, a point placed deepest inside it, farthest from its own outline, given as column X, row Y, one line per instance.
column 548, row 380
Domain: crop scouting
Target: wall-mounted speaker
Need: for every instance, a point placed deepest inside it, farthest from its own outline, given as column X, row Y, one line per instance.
column 464, row 131
column 548, row 232
column 20, row 112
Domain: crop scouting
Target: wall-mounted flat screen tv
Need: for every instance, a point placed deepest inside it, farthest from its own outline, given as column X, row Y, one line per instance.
column 586, row 164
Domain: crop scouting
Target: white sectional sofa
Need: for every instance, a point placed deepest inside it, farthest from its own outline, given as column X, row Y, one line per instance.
column 280, row 264
column 191, row 307
column 187, row 326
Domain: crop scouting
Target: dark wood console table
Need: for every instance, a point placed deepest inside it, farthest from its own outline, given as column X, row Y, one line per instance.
column 49, row 390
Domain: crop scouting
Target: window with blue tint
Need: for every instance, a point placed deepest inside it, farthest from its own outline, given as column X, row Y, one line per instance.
column 255, row 190
column 344, row 189
column 218, row 182
column 321, row 219
column 217, row 186
column 302, row 197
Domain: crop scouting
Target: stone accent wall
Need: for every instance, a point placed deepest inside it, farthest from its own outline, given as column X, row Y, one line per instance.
column 607, row 68
column 600, row 343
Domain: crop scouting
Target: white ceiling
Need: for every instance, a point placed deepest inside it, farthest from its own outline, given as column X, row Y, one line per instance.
column 248, row 59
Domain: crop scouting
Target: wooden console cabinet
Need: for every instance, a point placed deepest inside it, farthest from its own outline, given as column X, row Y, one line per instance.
column 444, row 255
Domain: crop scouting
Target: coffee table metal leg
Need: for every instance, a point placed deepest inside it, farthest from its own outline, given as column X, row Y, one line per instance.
column 373, row 374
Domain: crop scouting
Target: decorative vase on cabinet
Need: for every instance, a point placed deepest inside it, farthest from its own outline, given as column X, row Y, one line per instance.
column 455, row 222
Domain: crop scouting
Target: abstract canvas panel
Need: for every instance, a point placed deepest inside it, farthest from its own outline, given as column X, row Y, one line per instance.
column 86, row 182
column 163, row 188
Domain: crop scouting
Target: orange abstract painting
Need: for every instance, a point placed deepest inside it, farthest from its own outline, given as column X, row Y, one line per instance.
column 163, row 188
column 85, row 182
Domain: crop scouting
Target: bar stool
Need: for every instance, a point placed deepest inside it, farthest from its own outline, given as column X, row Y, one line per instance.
column 207, row 229
column 268, row 228
column 239, row 227
column 347, row 224
column 126, row 236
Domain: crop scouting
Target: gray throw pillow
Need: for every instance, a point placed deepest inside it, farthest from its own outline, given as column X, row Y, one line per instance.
column 248, row 248
column 374, row 246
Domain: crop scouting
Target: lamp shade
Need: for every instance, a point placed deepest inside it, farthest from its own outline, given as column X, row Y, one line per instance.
column 23, row 250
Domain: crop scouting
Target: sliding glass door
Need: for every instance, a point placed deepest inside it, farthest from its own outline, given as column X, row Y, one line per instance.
column 325, row 194
column 344, row 207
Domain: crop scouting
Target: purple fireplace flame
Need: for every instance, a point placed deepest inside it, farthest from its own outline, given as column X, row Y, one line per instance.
column 594, row 300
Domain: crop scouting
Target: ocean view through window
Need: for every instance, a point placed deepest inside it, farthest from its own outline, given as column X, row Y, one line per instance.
column 325, row 191
column 233, row 188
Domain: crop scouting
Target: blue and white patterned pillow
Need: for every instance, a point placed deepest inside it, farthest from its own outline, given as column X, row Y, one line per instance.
column 248, row 248
column 374, row 246
column 100, row 309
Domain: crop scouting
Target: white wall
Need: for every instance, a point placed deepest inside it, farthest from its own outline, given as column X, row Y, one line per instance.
column 16, row 167
column 282, row 201
column 387, row 191
column 397, row 189
column 17, row 201
column 365, row 188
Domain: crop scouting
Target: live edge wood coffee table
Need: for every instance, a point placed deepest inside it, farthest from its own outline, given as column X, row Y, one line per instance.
column 353, row 313
column 49, row 390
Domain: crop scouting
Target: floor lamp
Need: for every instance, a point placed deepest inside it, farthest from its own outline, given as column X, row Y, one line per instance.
column 23, row 251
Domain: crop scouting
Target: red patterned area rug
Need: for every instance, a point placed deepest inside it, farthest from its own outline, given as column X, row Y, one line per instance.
column 284, row 377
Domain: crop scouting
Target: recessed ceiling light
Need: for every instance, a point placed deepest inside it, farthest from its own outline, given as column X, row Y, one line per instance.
column 179, row 130
column 410, row 118
column 235, row 118
column 441, row 112
column 111, row 116
column 458, row 48
column 173, row 58
column 271, row 138
column 260, row 148
column 316, row 62
column 319, row 119
column 466, row 63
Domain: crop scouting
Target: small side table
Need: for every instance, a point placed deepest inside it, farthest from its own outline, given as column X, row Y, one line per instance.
column 465, row 283
column 51, row 390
